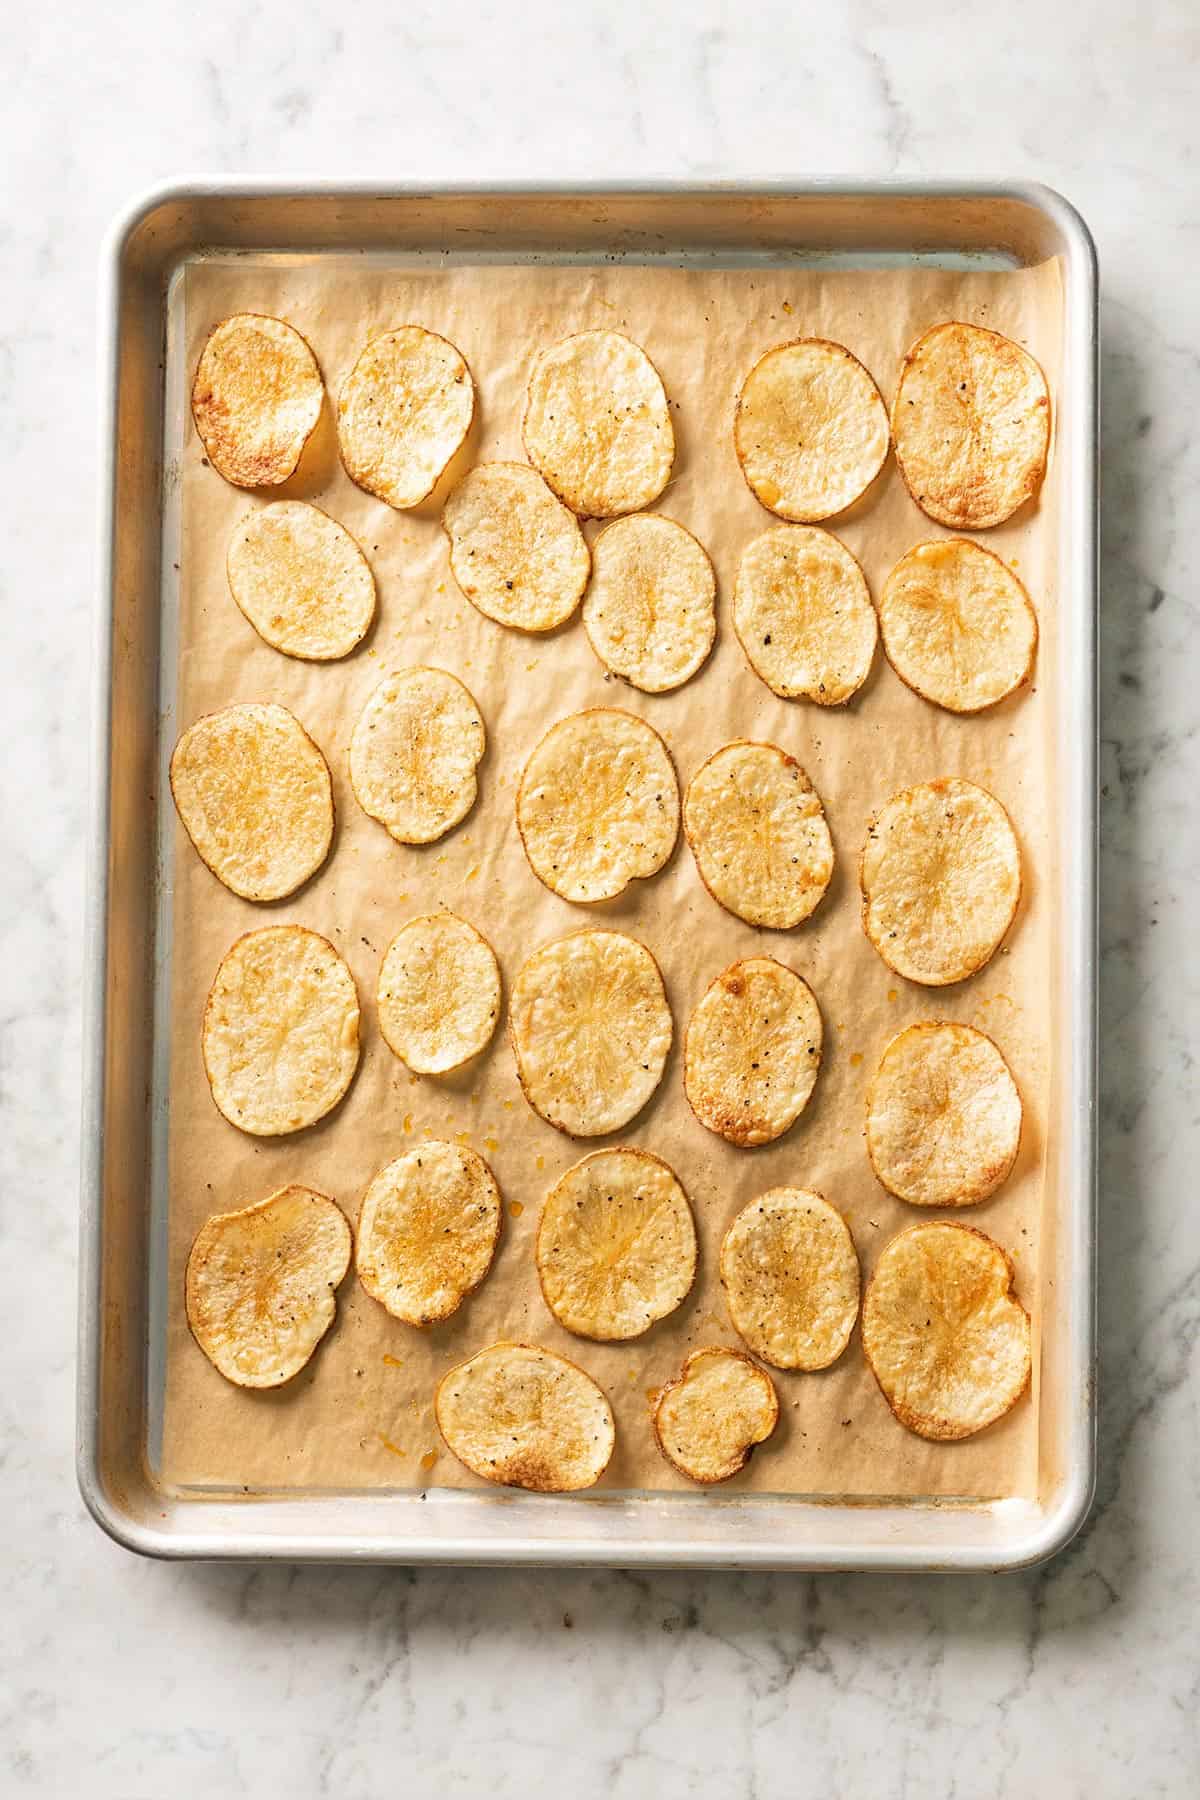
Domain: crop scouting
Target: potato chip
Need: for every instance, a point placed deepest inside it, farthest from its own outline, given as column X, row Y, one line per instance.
column 404, row 412
column 516, row 551
column 650, row 613
column 261, row 1285
column 597, row 424
column 280, row 1033
column 790, row 1274
column 525, row 1417
column 427, row 1232
column 943, row 1116
column 439, row 993
column 803, row 615
column 957, row 625
column 414, row 753
column 590, row 1029
column 946, row 1338
column 752, row 1051
column 598, row 805
column 810, row 430
column 301, row 580
column 758, row 833
column 971, row 423
column 256, row 399
column 709, row 1420
column 941, row 878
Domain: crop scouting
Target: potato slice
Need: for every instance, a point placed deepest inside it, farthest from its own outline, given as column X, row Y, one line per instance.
column 591, row 1030
column 525, row 1417
column 404, row 413
column 650, row 613
column 790, row 1274
column 752, row 1051
column 414, row 753
column 516, row 551
column 439, row 993
column 971, row 423
column 946, row 1338
column 709, row 1420
column 280, row 1033
column 957, row 625
column 256, row 399
column 598, row 805
column 261, row 1284
column 597, row 424
column 810, row 430
column 758, row 833
column 301, row 580
column 427, row 1232
column 941, row 878
column 803, row 615
column 943, row 1116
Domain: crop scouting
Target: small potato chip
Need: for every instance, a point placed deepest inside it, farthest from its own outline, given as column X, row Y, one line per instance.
column 758, row 833
column 803, row 615
column 591, row 1030
column 943, row 1116
column 790, row 1274
column 280, row 1033
column 414, row 753
column 597, row 424
column 650, row 613
column 971, row 423
column 709, row 1420
column 810, row 430
column 261, row 1282
column 946, row 1338
column 427, row 1231
column 616, row 1245
column 516, row 551
column 941, row 878
column 598, row 805
column 752, row 1051
column 301, row 580
column 256, row 399
column 525, row 1417
column 957, row 625
column 404, row 413
column 439, row 993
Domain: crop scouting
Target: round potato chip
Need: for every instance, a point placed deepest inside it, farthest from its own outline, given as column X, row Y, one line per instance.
column 525, row 1417
column 758, row 833
column 803, row 615
column 943, row 1116
column 516, row 551
column 404, row 413
column 941, row 878
column 439, row 993
column 597, row 424
column 650, row 612
column 971, row 423
column 616, row 1245
column 280, row 1033
column 301, row 580
column 261, row 1283
column 709, row 1420
column 256, row 399
column 752, row 1051
column 957, row 625
column 946, row 1338
column 598, row 805
column 591, row 1030
column 790, row 1274
column 427, row 1231
column 414, row 753
column 810, row 429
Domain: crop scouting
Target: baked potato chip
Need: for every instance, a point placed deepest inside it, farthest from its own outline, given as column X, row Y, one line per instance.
column 758, row 833
column 439, row 993
column 527, row 1418
column 516, row 551
column 650, row 613
column 256, row 399
column 810, row 429
column 597, row 424
column 957, row 625
column 427, row 1232
column 414, row 753
column 943, row 1116
column 790, row 1274
column 404, row 413
column 803, row 615
column 709, row 1420
column 752, row 1051
column 301, row 581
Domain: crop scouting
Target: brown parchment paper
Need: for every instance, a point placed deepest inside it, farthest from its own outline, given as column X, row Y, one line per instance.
column 361, row 1413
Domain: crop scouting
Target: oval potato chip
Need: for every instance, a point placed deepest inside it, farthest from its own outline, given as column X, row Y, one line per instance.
column 404, row 412
column 943, row 1116
column 516, row 551
column 802, row 612
column 525, row 1417
column 957, row 625
column 597, row 424
column 758, row 833
column 650, row 613
column 752, row 1050
column 256, row 399
column 790, row 1274
column 810, row 429
column 301, row 580
column 439, row 993
column 427, row 1232
column 414, row 753
column 708, row 1421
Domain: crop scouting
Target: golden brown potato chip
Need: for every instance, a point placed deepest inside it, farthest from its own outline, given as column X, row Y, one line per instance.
column 414, row 753
column 758, row 833
column 256, row 399
column 516, row 551
column 527, row 1418
column 752, row 1051
column 439, row 993
column 427, row 1231
column 709, row 1420
column 597, row 424
column 803, row 615
column 301, row 580
column 957, row 625
column 790, row 1274
column 810, row 430
column 650, row 612
column 943, row 1116
column 404, row 412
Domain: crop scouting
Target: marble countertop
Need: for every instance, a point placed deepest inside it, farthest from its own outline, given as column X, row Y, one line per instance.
column 127, row 1680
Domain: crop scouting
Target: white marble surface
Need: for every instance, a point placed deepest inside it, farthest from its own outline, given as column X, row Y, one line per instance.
column 129, row 1681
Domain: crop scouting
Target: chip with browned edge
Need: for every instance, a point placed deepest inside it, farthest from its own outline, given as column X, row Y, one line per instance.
column 256, row 399
column 943, row 1116
column 803, row 615
column 752, row 1051
column 597, row 424
column 790, row 1274
column 403, row 414
column 810, row 430
column 301, row 580
column 414, row 752
column 516, row 551
column 650, row 612
column 711, row 1418
column 439, row 993
column 526, row 1417
column 957, row 625
column 427, row 1231
column 758, row 833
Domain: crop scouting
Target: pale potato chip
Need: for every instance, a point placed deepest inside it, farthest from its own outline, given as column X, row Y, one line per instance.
column 301, row 580
column 803, row 614
column 790, row 1274
column 945, row 1336
column 650, row 613
column 427, row 1231
column 957, row 625
column 709, row 1420
column 943, row 1116
column 810, row 429
column 591, row 1030
column 439, row 993
column 597, row 424
column 971, row 423
column 616, row 1245
column 404, row 413
column 254, row 794
column 256, row 399
column 941, row 878
column 526, row 1417
column 516, row 551
column 261, row 1284
column 414, row 753
column 752, row 1050
column 758, row 833
column 280, row 1033
column 598, row 805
